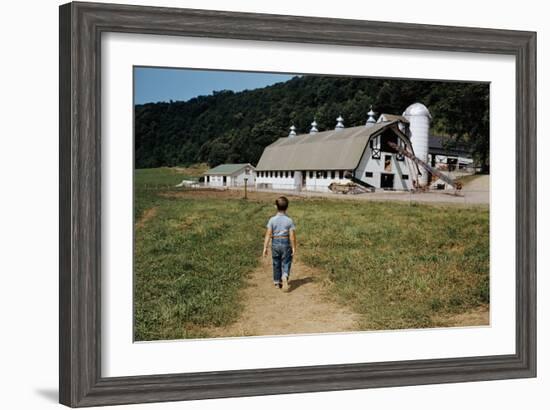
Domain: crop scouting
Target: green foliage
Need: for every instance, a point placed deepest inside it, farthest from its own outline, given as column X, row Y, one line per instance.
column 229, row 127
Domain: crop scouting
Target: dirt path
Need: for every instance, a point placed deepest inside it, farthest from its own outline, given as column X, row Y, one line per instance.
column 147, row 215
column 479, row 316
column 306, row 308
column 480, row 183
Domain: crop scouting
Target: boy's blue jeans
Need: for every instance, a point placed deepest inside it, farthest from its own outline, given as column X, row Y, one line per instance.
column 281, row 253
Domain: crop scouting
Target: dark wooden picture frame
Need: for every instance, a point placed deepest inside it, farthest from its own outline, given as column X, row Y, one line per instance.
column 81, row 27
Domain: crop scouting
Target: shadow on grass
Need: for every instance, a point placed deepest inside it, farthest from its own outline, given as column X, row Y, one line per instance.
column 296, row 283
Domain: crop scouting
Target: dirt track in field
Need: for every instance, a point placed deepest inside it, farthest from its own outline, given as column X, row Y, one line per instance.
column 308, row 307
column 147, row 215
column 479, row 316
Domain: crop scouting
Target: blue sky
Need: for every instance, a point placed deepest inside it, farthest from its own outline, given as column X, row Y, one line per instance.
column 164, row 84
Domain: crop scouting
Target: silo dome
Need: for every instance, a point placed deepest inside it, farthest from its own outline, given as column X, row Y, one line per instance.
column 417, row 109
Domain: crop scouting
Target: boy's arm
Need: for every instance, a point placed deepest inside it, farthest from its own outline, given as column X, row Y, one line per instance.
column 266, row 240
column 293, row 241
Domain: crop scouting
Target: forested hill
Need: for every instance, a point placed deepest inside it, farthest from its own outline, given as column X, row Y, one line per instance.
column 230, row 127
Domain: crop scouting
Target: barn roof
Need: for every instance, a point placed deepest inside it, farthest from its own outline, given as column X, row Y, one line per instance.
column 392, row 117
column 437, row 147
column 227, row 169
column 334, row 149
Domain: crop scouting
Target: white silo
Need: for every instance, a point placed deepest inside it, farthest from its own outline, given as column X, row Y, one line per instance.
column 419, row 127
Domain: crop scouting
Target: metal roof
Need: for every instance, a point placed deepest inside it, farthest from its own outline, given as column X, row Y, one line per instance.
column 227, row 169
column 327, row 150
column 436, row 147
column 392, row 117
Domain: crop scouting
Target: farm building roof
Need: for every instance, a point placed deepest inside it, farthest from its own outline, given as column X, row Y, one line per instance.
column 334, row 149
column 437, row 147
column 227, row 169
column 392, row 117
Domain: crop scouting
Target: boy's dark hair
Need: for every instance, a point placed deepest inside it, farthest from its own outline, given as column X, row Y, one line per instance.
column 282, row 203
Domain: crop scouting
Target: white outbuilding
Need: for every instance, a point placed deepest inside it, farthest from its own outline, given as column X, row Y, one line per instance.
column 230, row 175
column 456, row 158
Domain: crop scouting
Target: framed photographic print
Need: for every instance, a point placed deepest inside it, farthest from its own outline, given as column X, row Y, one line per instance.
column 261, row 204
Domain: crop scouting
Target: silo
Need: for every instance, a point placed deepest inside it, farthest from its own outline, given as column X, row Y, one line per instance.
column 419, row 118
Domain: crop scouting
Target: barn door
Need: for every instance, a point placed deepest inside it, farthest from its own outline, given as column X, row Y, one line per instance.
column 386, row 181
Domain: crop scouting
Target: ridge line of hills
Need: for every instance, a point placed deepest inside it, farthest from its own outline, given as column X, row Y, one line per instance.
column 234, row 127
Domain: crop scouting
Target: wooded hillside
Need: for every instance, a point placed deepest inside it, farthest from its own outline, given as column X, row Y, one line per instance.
column 230, row 127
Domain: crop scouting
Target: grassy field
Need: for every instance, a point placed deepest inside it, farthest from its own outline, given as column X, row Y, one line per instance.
column 397, row 265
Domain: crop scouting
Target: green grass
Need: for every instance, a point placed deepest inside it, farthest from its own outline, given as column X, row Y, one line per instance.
column 398, row 265
column 190, row 261
column 148, row 182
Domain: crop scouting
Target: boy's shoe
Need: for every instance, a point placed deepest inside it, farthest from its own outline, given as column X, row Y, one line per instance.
column 278, row 285
column 286, row 286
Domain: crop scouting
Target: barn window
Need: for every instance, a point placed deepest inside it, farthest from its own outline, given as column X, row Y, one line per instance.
column 388, row 137
column 311, row 174
column 325, row 174
column 400, row 157
column 387, row 163
column 291, row 174
column 286, row 174
column 340, row 174
column 333, row 174
column 368, row 174
column 271, row 174
column 375, row 153
column 405, row 176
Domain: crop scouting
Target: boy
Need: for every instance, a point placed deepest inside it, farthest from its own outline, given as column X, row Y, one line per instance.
column 281, row 231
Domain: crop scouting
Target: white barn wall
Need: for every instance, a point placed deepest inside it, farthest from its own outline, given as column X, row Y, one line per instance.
column 295, row 183
column 284, row 183
column 321, row 184
column 376, row 166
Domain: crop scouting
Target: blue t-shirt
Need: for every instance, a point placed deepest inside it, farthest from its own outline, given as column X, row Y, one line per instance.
column 281, row 225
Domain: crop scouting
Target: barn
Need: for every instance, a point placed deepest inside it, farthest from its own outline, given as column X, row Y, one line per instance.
column 314, row 160
column 230, row 175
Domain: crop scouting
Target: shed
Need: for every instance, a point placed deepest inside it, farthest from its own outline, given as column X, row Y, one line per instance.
column 230, row 175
